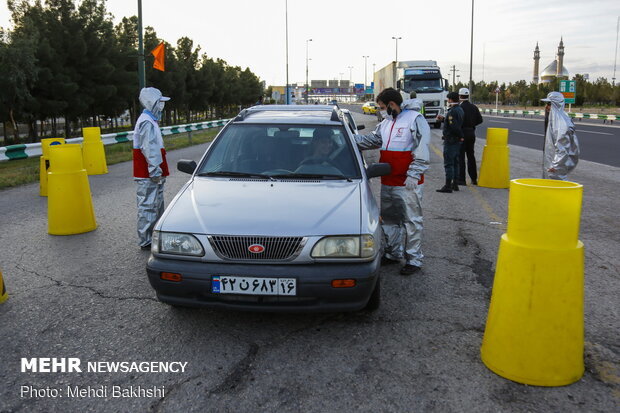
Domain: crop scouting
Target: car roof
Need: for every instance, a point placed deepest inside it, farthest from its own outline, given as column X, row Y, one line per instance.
column 294, row 114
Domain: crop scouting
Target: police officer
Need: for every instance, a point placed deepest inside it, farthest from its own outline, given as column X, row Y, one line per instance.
column 399, row 136
column 472, row 119
column 452, row 140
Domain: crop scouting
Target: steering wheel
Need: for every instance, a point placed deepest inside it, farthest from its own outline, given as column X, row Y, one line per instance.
column 315, row 161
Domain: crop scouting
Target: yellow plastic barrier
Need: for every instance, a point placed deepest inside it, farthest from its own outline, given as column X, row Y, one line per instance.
column 3, row 294
column 495, row 166
column 69, row 205
column 534, row 330
column 44, row 162
column 93, row 152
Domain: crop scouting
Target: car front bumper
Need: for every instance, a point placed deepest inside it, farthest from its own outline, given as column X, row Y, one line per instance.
column 314, row 290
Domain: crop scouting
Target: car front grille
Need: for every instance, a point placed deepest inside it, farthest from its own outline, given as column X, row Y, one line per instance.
column 238, row 247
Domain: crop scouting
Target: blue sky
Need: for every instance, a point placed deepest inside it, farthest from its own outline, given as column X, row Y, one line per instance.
column 251, row 33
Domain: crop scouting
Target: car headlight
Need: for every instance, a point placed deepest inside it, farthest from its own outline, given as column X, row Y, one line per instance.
column 345, row 247
column 176, row 243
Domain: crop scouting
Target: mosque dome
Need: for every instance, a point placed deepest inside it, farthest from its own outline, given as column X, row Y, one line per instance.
column 550, row 71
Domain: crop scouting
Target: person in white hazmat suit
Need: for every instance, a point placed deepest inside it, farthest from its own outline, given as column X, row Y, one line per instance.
column 403, row 137
column 149, row 164
column 561, row 152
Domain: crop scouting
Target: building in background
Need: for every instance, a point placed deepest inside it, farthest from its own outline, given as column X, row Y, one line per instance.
column 554, row 70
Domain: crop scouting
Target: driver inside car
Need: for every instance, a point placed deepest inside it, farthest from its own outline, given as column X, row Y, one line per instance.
column 321, row 147
column 320, row 151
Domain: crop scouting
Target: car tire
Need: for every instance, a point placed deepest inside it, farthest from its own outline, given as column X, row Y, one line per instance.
column 437, row 125
column 374, row 302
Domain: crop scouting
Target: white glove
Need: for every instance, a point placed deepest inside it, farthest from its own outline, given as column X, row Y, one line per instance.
column 411, row 183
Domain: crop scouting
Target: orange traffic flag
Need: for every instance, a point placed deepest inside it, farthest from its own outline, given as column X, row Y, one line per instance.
column 158, row 52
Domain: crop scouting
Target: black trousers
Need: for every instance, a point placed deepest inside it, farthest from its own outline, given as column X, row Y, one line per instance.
column 467, row 148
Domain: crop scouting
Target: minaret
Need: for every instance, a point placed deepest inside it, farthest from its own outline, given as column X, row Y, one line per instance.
column 560, row 59
column 536, row 59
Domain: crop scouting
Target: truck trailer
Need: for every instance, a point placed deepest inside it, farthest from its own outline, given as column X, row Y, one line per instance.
column 420, row 76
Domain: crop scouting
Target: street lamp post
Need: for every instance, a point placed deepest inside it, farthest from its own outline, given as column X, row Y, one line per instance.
column 286, row 90
column 397, row 39
column 141, row 70
column 365, row 73
column 396, row 59
column 471, row 51
column 307, row 91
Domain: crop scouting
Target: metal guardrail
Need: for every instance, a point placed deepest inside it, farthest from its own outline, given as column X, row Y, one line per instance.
column 541, row 112
column 29, row 150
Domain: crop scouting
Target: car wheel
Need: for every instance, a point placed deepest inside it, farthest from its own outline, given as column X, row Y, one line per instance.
column 437, row 125
column 375, row 298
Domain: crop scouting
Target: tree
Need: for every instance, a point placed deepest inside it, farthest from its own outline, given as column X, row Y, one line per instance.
column 18, row 68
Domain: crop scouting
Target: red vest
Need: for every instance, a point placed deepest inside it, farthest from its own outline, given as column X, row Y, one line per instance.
column 398, row 144
column 141, row 167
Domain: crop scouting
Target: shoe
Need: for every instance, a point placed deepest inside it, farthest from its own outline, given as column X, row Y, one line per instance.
column 474, row 182
column 409, row 269
column 455, row 186
column 461, row 182
column 445, row 189
column 388, row 261
column 145, row 247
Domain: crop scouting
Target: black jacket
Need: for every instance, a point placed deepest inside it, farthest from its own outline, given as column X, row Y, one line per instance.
column 453, row 125
column 472, row 118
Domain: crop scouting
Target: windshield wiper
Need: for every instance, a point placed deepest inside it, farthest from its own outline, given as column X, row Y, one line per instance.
column 236, row 174
column 312, row 176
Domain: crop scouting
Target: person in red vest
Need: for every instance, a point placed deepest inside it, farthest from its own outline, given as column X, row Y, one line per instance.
column 149, row 164
column 399, row 136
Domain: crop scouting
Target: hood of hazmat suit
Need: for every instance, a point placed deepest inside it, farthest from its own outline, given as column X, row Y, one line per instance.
column 412, row 104
column 561, row 144
column 150, row 99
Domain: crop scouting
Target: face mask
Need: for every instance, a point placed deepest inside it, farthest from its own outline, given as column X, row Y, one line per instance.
column 160, row 106
column 383, row 113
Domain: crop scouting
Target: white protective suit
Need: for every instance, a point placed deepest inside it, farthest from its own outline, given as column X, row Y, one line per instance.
column 401, row 204
column 561, row 144
column 150, row 167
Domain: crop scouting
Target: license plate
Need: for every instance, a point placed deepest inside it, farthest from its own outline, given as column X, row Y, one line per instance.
column 225, row 284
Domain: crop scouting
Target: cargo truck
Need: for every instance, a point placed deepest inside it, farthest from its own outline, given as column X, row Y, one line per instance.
column 420, row 76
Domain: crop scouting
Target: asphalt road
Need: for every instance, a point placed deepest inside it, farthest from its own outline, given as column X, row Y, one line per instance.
column 598, row 142
column 87, row 296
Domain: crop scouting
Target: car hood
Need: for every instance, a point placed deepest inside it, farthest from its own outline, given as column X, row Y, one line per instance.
column 238, row 207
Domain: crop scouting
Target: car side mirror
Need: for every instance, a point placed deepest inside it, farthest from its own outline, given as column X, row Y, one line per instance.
column 378, row 169
column 360, row 127
column 187, row 166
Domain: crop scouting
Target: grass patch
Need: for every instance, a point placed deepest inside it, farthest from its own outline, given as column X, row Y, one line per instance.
column 26, row 171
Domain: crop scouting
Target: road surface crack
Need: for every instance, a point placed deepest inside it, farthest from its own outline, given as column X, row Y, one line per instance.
column 239, row 374
column 158, row 405
column 62, row 284
column 483, row 268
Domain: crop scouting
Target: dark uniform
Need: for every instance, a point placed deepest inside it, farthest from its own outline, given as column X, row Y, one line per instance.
column 452, row 135
column 471, row 120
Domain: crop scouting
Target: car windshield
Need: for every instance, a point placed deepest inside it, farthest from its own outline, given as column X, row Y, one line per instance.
column 268, row 151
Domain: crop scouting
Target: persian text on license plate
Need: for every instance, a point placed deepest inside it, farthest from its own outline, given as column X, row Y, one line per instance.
column 254, row 286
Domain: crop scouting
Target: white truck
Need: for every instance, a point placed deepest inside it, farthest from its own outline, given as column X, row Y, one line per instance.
column 420, row 76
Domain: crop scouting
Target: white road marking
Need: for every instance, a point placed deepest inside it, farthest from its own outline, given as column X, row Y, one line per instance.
column 591, row 131
column 498, row 121
column 528, row 133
